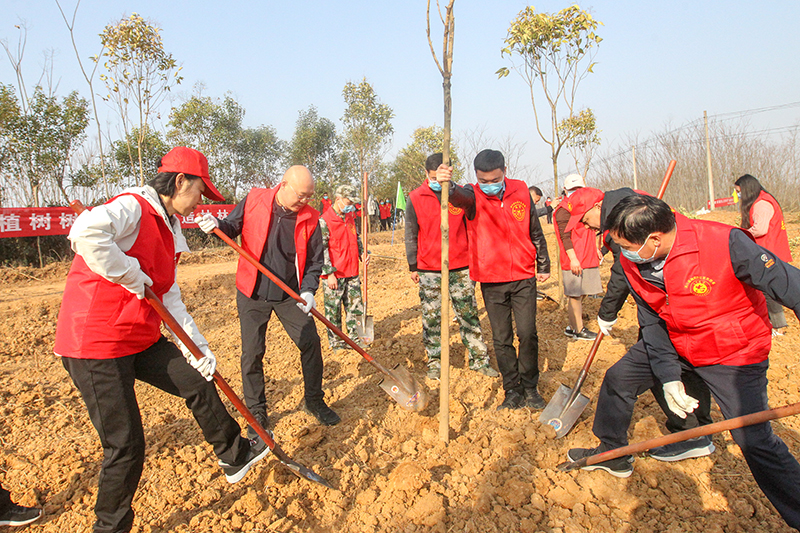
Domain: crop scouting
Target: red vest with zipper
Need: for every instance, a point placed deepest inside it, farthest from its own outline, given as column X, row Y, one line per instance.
column 775, row 240
column 342, row 243
column 712, row 317
column 500, row 247
column 255, row 230
column 100, row 319
column 427, row 207
column 584, row 242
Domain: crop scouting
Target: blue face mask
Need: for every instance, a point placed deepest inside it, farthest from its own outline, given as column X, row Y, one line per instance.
column 348, row 209
column 492, row 189
column 635, row 257
column 434, row 185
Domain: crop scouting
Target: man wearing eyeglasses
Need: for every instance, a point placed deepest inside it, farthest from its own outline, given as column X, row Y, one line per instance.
column 279, row 227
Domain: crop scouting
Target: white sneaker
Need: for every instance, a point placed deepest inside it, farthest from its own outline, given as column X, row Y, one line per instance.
column 777, row 333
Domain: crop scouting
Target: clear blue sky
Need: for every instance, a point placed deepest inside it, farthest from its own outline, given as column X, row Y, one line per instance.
column 659, row 63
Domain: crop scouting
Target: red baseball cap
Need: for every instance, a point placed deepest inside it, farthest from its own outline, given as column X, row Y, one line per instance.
column 191, row 162
column 579, row 203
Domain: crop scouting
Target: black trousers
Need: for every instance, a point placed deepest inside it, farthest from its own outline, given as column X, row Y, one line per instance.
column 253, row 318
column 5, row 500
column 738, row 390
column 501, row 300
column 107, row 388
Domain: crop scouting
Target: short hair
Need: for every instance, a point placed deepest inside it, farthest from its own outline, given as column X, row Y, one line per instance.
column 433, row 161
column 637, row 216
column 535, row 190
column 164, row 182
column 489, row 160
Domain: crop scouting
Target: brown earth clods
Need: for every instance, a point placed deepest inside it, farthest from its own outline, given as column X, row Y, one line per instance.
column 390, row 468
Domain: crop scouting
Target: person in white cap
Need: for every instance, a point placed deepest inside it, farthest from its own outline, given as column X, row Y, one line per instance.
column 580, row 261
column 109, row 337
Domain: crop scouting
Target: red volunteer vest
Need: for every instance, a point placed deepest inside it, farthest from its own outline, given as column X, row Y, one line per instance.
column 583, row 242
column 429, row 237
column 500, row 247
column 342, row 244
column 102, row 320
column 255, row 230
column 775, row 240
column 711, row 316
column 326, row 203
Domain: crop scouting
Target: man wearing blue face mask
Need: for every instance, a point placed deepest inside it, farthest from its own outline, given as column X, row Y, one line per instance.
column 699, row 287
column 507, row 255
column 423, row 238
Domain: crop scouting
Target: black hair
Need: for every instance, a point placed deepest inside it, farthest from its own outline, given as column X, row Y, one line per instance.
column 433, row 161
column 489, row 160
column 637, row 216
column 164, row 182
column 536, row 190
column 749, row 189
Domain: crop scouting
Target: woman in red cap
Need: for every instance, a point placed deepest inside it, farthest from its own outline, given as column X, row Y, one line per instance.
column 109, row 337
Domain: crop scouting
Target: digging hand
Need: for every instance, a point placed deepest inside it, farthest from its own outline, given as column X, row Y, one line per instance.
column 310, row 303
column 208, row 223
column 206, row 365
column 678, row 401
column 135, row 280
column 606, row 325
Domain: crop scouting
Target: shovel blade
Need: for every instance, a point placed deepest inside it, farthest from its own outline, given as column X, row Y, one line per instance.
column 305, row 473
column 404, row 389
column 560, row 415
column 366, row 329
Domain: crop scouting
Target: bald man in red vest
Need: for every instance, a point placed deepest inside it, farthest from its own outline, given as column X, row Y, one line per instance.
column 280, row 229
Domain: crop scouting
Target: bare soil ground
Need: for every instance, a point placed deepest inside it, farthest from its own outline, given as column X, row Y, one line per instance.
column 390, row 470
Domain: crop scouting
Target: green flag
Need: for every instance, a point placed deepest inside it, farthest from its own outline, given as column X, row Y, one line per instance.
column 400, row 202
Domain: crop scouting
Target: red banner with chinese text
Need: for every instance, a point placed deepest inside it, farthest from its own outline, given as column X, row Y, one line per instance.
column 721, row 202
column 37, row 221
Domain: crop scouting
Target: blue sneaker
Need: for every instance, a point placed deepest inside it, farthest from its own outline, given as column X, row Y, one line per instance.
column 678, row 451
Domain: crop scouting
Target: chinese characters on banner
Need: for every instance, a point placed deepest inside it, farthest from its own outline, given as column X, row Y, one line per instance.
column 34, row 222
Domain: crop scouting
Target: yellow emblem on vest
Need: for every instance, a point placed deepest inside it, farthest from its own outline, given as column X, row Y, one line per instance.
column 783, row 226
column 454, row 210
column 700, row 285
column 518, row 210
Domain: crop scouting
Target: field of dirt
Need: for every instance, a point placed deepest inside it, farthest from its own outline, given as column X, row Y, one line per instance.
column 389, row 467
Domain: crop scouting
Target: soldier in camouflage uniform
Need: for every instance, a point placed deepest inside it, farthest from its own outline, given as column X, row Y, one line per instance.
column 343, row 248
column 423, row 251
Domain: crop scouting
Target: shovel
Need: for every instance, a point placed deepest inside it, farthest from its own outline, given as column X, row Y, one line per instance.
column 702, row 431
column 398, row 382
column 366, row 329
column 296, row 468
column 567, row 404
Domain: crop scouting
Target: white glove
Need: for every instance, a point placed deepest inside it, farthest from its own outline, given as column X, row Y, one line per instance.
column 206, row 365
column 310, row 303
column 678, row 401
column 605, row 326
column 137, row 282
column 208, row 223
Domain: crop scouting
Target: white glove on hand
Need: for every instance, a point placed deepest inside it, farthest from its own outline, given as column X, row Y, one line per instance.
column 605, row 326
column 678, row 401
column 206, row 365
column 310, row 303
column 136, row 285
column 208, row 223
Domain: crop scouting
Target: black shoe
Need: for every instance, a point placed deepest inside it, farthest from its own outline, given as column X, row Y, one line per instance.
column 513, row 400
column 585, row 335
column 323, row 413
column 19, row 516
column 258, row 450
column 677, row 451
column 262, row 419
column 569, row 332
column 533, row 399
column 619, row 467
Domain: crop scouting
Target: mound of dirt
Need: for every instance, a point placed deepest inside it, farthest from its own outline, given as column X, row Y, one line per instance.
column 390, row 469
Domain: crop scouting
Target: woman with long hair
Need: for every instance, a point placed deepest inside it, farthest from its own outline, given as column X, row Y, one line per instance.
column 763, row 218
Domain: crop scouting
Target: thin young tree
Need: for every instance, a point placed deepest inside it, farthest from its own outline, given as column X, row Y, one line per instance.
column 446, row 70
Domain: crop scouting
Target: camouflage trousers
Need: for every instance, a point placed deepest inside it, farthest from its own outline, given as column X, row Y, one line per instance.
column 347, row 294
column 462, row 296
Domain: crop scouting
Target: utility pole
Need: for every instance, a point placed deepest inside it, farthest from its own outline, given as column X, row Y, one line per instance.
column 635, row 175
column 708, row 160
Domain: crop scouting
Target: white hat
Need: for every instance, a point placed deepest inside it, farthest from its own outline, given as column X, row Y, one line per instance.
column 573, row 181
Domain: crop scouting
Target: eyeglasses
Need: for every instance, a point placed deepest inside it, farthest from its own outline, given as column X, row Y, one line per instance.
column 301, row 197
